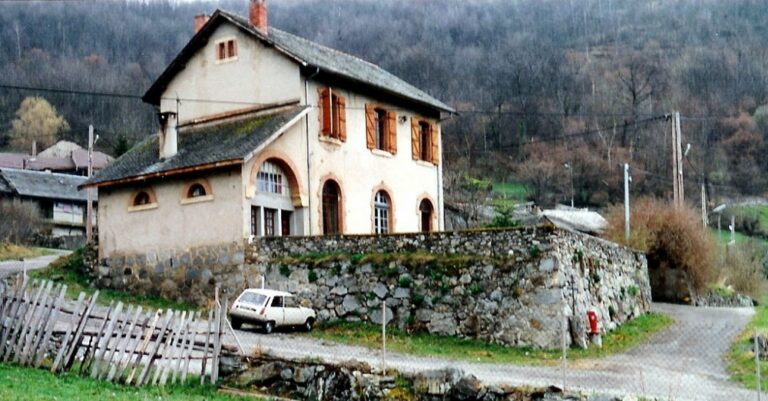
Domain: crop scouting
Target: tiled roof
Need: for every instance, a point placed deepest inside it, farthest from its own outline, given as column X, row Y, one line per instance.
column 38, row 184
column 308, row 53
column 209, row 144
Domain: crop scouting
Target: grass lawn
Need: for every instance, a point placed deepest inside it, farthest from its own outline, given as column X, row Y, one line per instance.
column 11, row 252
column 68, row 270
column 511, row 190
column 368, row 335
column 758, row 211
column 725, row 236
column 28, row 384
column 741, row 359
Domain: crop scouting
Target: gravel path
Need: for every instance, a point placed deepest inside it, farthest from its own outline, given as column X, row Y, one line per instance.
column 683, row 362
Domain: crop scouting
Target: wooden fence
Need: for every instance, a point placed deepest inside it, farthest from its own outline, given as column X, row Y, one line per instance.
column 40, row 327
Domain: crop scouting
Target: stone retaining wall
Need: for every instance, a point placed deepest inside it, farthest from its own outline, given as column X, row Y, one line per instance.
column 513, row 287
column 353, row 381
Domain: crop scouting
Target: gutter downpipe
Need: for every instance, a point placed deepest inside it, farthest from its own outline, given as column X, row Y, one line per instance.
column 306, row 126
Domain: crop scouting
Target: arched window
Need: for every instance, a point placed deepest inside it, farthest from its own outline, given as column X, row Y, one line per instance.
column 196, row 190
column 331, row 208
column 271, row 179
column 426, row 213
column 382, row 211
column 142, row 198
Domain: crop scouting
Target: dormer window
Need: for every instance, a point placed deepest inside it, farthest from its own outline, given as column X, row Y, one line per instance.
column 226, row 50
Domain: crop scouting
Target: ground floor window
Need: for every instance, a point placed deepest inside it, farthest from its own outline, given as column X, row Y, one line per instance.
column 381, row 211
column 270, row 222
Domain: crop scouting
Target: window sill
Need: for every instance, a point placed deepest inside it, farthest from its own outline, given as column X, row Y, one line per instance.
column 197, row 199
column 142, row 207
column 425, row 163
column 382, row 153
column 226, row 60
column 331, row 140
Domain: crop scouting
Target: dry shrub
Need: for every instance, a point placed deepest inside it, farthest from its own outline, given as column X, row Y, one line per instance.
column 741, row 269
column 671, row 237
column 19, row 222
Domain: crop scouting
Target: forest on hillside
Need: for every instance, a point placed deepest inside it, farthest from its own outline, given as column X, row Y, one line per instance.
column 539, row 84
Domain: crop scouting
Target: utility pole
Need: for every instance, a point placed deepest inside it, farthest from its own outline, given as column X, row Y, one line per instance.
column 627, row 178
column 677, row 162
column 704, row 220
column 89, row 206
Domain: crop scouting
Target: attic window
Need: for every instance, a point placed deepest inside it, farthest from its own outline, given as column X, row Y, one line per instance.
column 142, row 200
column 226, row 50
column 196, row 191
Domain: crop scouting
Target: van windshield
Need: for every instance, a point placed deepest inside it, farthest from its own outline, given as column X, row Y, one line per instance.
column 253, row 298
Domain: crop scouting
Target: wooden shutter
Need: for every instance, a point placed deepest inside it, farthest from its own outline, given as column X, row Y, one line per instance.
column 392, row 132
column 434, row 141
column 325, row 112
column 342, row 119
column 415, row 151
column 370, row 126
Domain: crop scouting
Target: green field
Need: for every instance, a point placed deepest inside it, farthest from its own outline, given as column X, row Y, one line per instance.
column 511, row 190
column 368, row 335
column 28, row 384
column 724, row 237
column 758, row 211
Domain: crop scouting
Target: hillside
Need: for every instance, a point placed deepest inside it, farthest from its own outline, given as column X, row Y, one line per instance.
column 538, row 83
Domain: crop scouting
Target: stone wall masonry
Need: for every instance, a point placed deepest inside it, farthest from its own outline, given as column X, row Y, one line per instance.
column 355, row 381
column 513, row 287
column 186, row 275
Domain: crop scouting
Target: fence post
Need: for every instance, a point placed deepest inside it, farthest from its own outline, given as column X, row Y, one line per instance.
column 384, row 336
column 565, row 350
column 757, row 364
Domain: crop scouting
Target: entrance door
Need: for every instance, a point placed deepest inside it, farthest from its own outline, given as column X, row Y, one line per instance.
column 426, row 210
column 331, row 208
column 285, row 221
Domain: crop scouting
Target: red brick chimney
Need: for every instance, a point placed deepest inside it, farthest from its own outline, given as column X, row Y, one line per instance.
column 257, row 12
column 200, row 20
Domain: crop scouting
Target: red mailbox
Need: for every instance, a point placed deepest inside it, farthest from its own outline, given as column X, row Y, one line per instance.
column 593, row 322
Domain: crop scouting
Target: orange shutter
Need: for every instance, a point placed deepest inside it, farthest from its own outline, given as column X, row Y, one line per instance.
column 392, row 131
column 434, row 140
column 370, row 126
column 325, row 112
column 415, row 152
column 342, row 119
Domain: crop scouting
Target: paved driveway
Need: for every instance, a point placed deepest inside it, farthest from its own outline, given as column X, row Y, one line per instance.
column 684, row 362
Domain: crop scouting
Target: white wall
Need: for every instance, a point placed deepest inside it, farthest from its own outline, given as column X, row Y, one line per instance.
column 359, row 170
column 171, row 225
column 258, row 76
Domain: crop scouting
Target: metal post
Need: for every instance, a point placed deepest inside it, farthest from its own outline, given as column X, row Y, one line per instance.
column 733, row 230
column 89, row 191
column 679, row 160
column 384, row 337
column 565, row 350
column 757, row 364
column 626, row 202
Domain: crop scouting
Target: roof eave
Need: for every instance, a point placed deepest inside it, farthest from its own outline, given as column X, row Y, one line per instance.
column 159, row 174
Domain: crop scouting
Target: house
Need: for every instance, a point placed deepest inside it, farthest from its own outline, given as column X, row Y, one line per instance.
column 264, row 133
column 63, row 157
column 55, row 195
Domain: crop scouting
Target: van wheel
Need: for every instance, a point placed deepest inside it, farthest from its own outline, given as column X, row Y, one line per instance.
column 309, row 324
column 236, row 323
column 269, row 327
